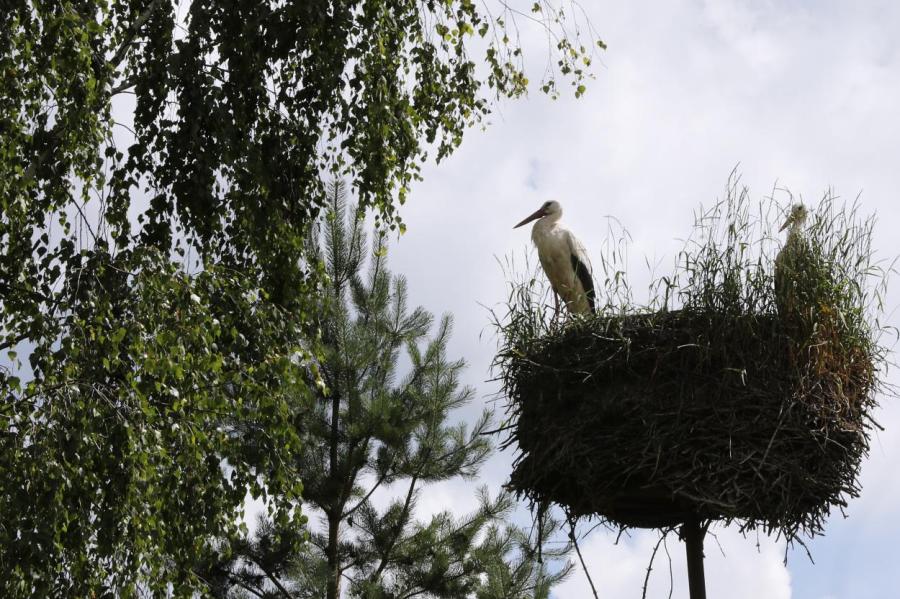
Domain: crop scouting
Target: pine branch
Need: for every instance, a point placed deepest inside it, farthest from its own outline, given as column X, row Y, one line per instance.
column 274, row 579
column 350, row 479
column 404, row 514
column 246, row 587
column 362, row 501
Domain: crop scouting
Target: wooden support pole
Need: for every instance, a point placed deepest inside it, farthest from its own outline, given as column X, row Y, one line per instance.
column 693, row 535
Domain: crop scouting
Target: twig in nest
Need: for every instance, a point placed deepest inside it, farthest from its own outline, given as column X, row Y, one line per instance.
column 574, row 539
column 650, row 565
column 669, row 557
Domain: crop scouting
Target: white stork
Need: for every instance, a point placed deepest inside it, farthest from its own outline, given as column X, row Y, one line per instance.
column 788, row 259
column 563, row 259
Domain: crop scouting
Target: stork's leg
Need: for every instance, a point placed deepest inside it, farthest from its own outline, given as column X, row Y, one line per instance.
column 555, row 305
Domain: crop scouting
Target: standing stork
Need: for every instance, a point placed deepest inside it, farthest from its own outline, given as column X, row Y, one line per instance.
column 790, row 260
column 563, row 259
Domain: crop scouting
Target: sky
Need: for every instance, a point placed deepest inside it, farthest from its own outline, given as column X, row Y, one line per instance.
column 798, row 93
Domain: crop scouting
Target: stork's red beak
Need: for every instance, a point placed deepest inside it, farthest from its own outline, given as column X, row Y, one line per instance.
column 536, row 215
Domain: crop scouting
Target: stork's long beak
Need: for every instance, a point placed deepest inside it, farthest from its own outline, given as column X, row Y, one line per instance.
column 536, row 215
column 786, row 223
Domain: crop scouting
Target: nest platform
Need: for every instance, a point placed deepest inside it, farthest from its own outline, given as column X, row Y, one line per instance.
column 656, row 419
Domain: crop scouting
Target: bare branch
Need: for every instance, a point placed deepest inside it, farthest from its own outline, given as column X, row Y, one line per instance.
column 574, row 539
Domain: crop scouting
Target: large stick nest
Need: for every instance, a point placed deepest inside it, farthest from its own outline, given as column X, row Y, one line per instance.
column 647, row 420
column 718, row 408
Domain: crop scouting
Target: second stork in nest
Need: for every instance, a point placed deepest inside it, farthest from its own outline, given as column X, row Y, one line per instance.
column 563, row 259
column 790, row 262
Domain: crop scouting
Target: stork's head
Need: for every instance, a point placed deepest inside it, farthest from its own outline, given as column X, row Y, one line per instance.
column 551, row 209
column 796, row 218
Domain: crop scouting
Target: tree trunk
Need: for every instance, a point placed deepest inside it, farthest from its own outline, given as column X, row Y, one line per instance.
column 334, row 566
column 334, row 516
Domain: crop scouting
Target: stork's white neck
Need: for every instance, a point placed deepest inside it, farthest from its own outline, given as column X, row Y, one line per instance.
column 544, row 224
column 796, row 228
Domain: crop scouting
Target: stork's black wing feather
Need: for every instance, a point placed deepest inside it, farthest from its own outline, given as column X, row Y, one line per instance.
column 587, row 281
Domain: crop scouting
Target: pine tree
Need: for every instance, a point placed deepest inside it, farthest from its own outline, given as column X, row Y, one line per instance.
column 372, row 429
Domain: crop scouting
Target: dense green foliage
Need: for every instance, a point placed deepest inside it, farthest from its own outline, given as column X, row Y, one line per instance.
column 143, row 429
column 160, row 165
column 374, row 434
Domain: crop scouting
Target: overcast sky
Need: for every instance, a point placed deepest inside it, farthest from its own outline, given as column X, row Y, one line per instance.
column 803, row 93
